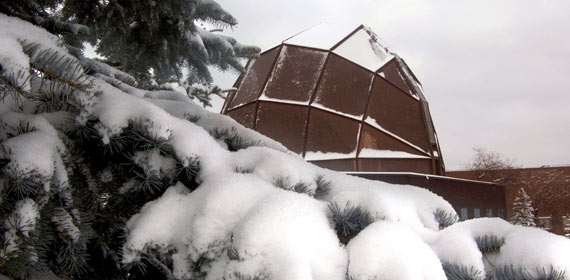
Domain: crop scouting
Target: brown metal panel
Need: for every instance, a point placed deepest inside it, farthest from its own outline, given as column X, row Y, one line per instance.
column 295, row 74
column 398, row 113
column 328, row 132
column 244, row 115
column 319, row 80
column 391, row 72
column 337, row 164
column 415, row 85
column 255, row 78
column 284, row 123
column 372, row 138
column 394, row 165
column 344, row 86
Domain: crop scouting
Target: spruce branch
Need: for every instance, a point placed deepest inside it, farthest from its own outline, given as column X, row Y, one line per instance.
column 56, row 65
column 489, row 244
column 191, row 117
column 349, row 220
column 141, row 132
column 15, row 85
column 23, row 127
column 511, row 272
column 323, row 187
column 240, row 276
column 444, row 218
column 158, row 265
column 187, row 170
column 243, row 170
column 232, row 139
column 459, row 272
column 299, row 187
column 20, row 182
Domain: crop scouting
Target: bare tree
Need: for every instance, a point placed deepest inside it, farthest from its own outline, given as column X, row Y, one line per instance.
column 492, row 166
column 549, row 186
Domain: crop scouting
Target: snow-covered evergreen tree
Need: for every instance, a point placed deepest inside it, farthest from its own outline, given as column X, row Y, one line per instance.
column 523, row 212
column 156, row 42
column 100, row 179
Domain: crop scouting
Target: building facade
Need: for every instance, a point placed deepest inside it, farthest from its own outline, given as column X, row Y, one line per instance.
column 340, row 98
column 548, row 188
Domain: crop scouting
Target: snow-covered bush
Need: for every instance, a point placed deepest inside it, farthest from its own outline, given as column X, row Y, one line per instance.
column 103, row 180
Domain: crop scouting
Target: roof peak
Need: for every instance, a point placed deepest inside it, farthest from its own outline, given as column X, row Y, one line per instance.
column 354, row 42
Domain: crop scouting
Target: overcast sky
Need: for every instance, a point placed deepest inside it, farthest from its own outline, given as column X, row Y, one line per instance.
column 496, row 73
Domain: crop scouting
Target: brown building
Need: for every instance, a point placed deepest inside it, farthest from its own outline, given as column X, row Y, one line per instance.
column 470, row 198
column 548, row 187
column 340, row 98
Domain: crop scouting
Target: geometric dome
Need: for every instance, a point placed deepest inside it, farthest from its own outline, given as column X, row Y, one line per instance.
column 340, row 98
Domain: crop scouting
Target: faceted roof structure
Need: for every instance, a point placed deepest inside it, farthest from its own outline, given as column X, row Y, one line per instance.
column 340, row 98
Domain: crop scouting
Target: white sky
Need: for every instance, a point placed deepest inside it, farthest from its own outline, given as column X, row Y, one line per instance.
column 496, row 73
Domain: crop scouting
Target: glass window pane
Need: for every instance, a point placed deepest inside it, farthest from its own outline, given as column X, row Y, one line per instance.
column 283, row 123
column 364, row 50
column 501, row 213
column 476, row 213
column 391, row 73
column 374, row 139
column 566, row 225
column 489, row 212
column 337, row 164
column 330, row 136
column 464, row 215
column 394, row 165
column 398, row 113
column 254, row 80
column 344, row 87
column 544, row 222
column 244, row 115
column 295, row 74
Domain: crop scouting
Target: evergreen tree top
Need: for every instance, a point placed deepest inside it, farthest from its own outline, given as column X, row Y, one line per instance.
column 523, row 210
column 156, row 42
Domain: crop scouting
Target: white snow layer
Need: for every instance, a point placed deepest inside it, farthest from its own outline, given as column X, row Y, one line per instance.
column 322, row 36
column 364, row 50
column 372, row 153
column 362, row 47
column 389, row 250
column 239, row 224
column 38, row 152
column 534, row 250
column 318, row 155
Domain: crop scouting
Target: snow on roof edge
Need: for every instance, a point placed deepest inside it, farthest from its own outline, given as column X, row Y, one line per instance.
column 323, row 36
column 419, row 175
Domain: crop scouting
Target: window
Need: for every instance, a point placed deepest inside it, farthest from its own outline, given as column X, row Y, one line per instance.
column 489, row 212
column 476, row 213
column 566, row 225
column 544, row 222
column 464, row 215
column 501, row 213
